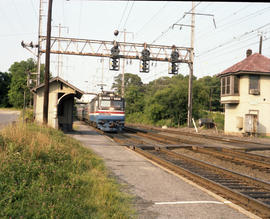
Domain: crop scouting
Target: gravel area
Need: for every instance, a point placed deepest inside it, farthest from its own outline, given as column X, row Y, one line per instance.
column 226, row 164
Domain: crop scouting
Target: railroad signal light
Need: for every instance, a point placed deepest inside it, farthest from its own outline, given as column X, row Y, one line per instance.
column 174, row 63
column 173, row 69
column 114, row 60
column 114, row 64
column 145, row 60
column 144, row 66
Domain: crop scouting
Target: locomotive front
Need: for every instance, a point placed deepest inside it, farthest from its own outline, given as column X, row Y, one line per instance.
column 108, row 112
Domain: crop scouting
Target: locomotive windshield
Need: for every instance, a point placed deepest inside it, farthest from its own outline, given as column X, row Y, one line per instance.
column 105, row 104
column 117, row 104
column 114, row 103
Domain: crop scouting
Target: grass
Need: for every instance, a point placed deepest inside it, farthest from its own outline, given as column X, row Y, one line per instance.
column 9, row 109
column 45, row 174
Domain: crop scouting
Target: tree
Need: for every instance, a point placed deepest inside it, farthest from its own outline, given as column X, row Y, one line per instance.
column 170, row 102
column 134, row 97
column 130, row 80
column 208, row 93
column 134, row 92
column 18, row 85
column 5, row 80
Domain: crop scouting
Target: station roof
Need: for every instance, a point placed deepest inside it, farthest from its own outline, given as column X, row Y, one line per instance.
column 78, row 92
column 253, row 64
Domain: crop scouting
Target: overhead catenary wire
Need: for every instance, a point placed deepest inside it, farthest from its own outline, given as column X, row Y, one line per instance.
column 123, row 13
column 170, row 27
column 224, row 18
column 22, row 26
column 150, row 20
column 231, row 24
column 80, row 17
column 34, row 9
column 235, row 59
column 130, row 9
column 233, row 39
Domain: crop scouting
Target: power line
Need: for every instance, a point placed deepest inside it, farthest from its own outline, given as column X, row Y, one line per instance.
column 151, row 19
column 123, row 13
column 238, row 21
column 80, row 17
column 22, row 26
column 233, row 39
column 235, row 49
column 128, row 14
column 225, row 18
column 36, row 14
column 170, row 27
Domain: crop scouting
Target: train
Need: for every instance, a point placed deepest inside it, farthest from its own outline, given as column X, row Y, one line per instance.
column 106, row 111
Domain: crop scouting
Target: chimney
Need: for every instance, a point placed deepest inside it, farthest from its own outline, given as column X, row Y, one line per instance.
column 249, row 52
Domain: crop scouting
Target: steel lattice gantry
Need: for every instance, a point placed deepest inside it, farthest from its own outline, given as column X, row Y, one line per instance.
column 102, row 48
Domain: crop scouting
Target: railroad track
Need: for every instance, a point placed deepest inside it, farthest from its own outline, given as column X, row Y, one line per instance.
column 250, row 160
column 210, row 137
column 250, row 193
column 239, row 157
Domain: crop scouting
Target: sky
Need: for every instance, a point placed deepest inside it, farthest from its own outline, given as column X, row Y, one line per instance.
column 238, row 27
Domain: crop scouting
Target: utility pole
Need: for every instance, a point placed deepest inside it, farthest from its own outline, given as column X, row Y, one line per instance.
column 47, row 64
column 191, row 61
column 39, row 42
column 191, row 64
column 123, row 69
column 102, row 75
column 59, row 69
column 260, row 47
column 123, row 65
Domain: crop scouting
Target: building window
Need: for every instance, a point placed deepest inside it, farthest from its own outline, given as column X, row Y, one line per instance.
column 223, row 86
column 236, row 85
column 229, row 85
column 254, row 84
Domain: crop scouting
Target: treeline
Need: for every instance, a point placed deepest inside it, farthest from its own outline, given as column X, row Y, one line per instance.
column 13, row 84
column 164, row 101
column 160, row 102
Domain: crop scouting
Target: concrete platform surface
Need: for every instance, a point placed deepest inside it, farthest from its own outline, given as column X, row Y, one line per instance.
column 159, row 193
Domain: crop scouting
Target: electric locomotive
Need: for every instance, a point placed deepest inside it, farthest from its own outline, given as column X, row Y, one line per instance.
column 106, row 112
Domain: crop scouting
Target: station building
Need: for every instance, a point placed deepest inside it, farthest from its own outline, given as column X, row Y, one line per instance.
column 245, row 93
column 61, row 103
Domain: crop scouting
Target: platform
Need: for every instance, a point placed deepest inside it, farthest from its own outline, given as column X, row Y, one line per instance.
column 158, row 193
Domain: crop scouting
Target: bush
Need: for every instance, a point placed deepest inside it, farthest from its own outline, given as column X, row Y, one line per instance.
column 28, row 115
column 138, row 118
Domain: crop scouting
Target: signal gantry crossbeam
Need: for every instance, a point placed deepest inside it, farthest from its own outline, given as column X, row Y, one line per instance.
column 101, row 48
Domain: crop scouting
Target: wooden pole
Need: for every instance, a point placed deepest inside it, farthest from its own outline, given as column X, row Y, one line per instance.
column 190, row 82
column 47, row 65
column 260, row 47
